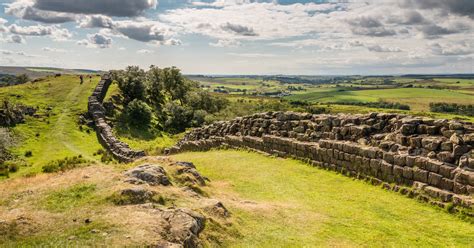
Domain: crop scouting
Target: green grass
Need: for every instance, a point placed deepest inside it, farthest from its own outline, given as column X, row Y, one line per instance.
column 56, row 133
column 295, row 205
column 418, row 98
column 66, row 199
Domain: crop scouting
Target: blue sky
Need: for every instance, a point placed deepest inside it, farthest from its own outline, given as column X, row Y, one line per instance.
column 242, row 36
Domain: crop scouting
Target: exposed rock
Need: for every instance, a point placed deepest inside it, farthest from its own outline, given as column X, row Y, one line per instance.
column 149, row 174
column 134, row 196
column 182, row 227
column 216, row 208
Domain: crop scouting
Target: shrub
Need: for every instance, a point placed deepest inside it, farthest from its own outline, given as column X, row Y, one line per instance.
column 28, row 154
column 453, row 108
column 138, row 113
column 64, row 164
column 12, row 168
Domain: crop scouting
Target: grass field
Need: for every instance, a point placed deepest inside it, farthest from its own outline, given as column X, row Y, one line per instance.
column 286, row 203
column 418, row 98
column 56, row 133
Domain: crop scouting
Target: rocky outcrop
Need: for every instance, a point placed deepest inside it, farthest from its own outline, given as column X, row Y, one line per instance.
column 120, row 150
column 431, row 157
column 148, row 174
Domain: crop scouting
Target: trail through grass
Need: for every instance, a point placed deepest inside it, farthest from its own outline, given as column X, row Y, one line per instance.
column 56, row 133
column 286, row 203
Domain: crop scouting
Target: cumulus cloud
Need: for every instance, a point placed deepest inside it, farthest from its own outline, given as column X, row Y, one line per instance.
column 453, row 48
column 459, row 7
column 383, row 49
column 16, row 39
column 123, row 8
column 239, row 29
column 96, row 40
column 369, row 26
column 25, row 10
column 225, row 43
column 40, row 30
column 96, row 21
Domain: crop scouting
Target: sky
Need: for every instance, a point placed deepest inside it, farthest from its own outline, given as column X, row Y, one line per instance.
column 298, row 37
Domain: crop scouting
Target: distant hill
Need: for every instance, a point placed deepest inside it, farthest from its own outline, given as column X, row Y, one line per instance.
column 36, row 72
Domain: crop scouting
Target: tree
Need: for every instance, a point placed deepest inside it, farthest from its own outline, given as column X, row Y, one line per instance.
column 138, row 113
column 175, row 84
column 154, row 87
column 22, row 78
column 131, row 83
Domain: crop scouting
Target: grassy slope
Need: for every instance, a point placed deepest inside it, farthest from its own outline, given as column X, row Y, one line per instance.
column 285, row 203
column 59, row 134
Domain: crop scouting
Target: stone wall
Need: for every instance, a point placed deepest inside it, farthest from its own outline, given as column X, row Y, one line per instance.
column 431, row 159
column 118, row 149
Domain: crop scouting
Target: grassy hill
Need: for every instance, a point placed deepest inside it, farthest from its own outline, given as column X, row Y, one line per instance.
column 273, row 202
column 55, row 133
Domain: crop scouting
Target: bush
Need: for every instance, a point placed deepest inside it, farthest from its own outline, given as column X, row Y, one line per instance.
column 28, row 154
column 453, row 108
column 64, row 164
column 138, row 113
column 12, row 168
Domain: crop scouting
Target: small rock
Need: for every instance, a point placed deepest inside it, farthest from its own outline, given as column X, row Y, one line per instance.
column 94, row 231
column 456, row 139
column 88, row 221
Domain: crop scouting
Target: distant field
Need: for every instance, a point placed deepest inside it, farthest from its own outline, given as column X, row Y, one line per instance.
column 286, row 203
column 55, row 134
column 418, row 98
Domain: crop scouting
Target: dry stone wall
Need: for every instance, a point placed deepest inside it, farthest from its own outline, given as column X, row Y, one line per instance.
column 428, row 158
column 118, row 149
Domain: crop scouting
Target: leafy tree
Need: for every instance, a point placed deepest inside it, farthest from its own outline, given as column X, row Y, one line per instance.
column 155, row 87
column 131, row 83
column 178, row 117
column 22, row 78
column 138, row 113
column 175, row 84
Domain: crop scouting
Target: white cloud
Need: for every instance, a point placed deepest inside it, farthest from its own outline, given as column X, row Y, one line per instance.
column 226, row 43
column 96, row 40
column 39, row 30
column 145, row 51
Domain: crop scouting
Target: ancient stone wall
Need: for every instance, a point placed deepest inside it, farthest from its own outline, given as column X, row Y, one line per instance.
column 118, row 149
column 431, row 159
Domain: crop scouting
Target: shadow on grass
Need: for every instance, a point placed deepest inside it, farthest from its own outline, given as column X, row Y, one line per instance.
column 145, row 133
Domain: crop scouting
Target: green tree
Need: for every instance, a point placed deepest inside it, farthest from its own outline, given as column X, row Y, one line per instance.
column 175, row 84
column 138, row 113
column 131, row 83
column 155, row 88
column 22, row 78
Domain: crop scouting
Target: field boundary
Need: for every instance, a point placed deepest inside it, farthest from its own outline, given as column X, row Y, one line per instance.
column 119, row 150
column 424, row 158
